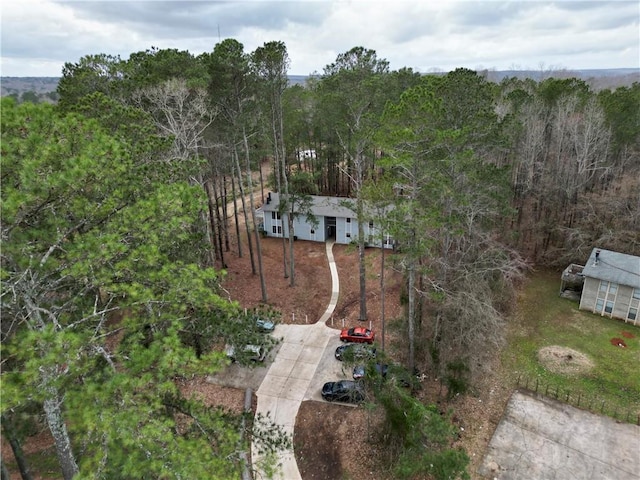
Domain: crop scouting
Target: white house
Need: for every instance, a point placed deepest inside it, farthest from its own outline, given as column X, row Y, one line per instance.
column 612, row 285
column 331, row 218
column 306, row 155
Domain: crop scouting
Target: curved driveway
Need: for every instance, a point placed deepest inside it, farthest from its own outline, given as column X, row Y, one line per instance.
column 289, row 379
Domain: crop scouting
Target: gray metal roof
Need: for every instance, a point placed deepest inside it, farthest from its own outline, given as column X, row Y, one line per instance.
column 614, row 267
column 321, row 206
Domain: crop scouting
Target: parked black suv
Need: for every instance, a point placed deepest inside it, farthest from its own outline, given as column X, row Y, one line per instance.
column 343, row 391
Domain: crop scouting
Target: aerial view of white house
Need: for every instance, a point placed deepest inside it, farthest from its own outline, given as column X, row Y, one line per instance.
column 612, row 285
column 324, row 219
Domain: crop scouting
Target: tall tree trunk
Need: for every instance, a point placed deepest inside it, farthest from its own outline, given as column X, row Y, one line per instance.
column 412, row 312
column 235, row 216
column 261, row 181
column 362, row 271
column 247, row 225
column 263, row 285
column 292, row 275
column 359, row 180
column 212, row 218
column 225, row 213
column 218, row 221
column 382, row 292
column 8, row 429
column 55, row 421
column 53, row 403
column 4, row 473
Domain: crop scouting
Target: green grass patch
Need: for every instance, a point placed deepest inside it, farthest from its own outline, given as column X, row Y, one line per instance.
column 544, row 319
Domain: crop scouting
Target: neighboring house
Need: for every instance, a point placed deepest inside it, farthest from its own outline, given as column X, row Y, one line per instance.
column 331, row 218
column 304, row 155
column 612, row 285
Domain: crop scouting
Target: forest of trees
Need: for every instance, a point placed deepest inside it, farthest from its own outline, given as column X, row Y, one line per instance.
column 115, row 226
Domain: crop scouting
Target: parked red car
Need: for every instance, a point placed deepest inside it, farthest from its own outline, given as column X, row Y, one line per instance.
column 357, row 334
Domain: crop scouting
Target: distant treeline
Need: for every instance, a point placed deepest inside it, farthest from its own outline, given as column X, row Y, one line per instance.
column 44, row 89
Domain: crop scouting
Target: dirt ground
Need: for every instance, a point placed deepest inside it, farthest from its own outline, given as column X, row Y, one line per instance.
column 332, row 441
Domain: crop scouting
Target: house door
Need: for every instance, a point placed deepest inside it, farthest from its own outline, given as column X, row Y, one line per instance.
column 331, row 228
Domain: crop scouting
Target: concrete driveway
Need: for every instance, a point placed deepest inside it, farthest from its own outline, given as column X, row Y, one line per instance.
column 299, row 369
column 542, row 438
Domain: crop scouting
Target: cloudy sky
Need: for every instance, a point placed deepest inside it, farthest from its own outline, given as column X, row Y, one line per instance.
column 39, row 36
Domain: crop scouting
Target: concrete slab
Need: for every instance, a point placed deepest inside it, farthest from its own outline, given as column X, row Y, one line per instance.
column 282, row 415
column 304, row 370
column 268, row 405
column 542, row 438
column 295, row 388
column 272, row 386
column 289, row 350
column 311, row 354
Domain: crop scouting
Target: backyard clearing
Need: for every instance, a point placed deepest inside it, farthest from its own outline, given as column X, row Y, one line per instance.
column 542, row 438
column 564, row 360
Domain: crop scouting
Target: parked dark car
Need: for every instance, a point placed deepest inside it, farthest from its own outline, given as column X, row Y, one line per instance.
column 357, row 335
column 360, row 371
column 355, row 351
column 343, row 391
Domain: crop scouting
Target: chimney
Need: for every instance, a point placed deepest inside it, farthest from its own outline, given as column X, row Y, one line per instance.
column 269, row 198
column 597, row 257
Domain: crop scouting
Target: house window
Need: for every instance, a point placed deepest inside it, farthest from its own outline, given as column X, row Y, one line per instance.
column 313, row 232
column 348, row 235
column 633, row 314
column 608, row 307
column 279, row 229
column 606, row 297
column 348, row 220
column 276, row 229
column 275, row 215
column 370, row 225
column 636, row 293
column 599, row 305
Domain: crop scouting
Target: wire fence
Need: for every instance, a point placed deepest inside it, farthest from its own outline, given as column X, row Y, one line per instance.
column 580, row 400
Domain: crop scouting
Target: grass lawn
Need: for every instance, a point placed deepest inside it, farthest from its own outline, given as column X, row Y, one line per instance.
column 543, row 319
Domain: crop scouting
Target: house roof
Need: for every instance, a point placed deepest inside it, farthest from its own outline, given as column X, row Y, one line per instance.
column 321, row 206
column 614, row 267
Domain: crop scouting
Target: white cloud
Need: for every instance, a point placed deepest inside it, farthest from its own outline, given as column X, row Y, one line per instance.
column 39, row 36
